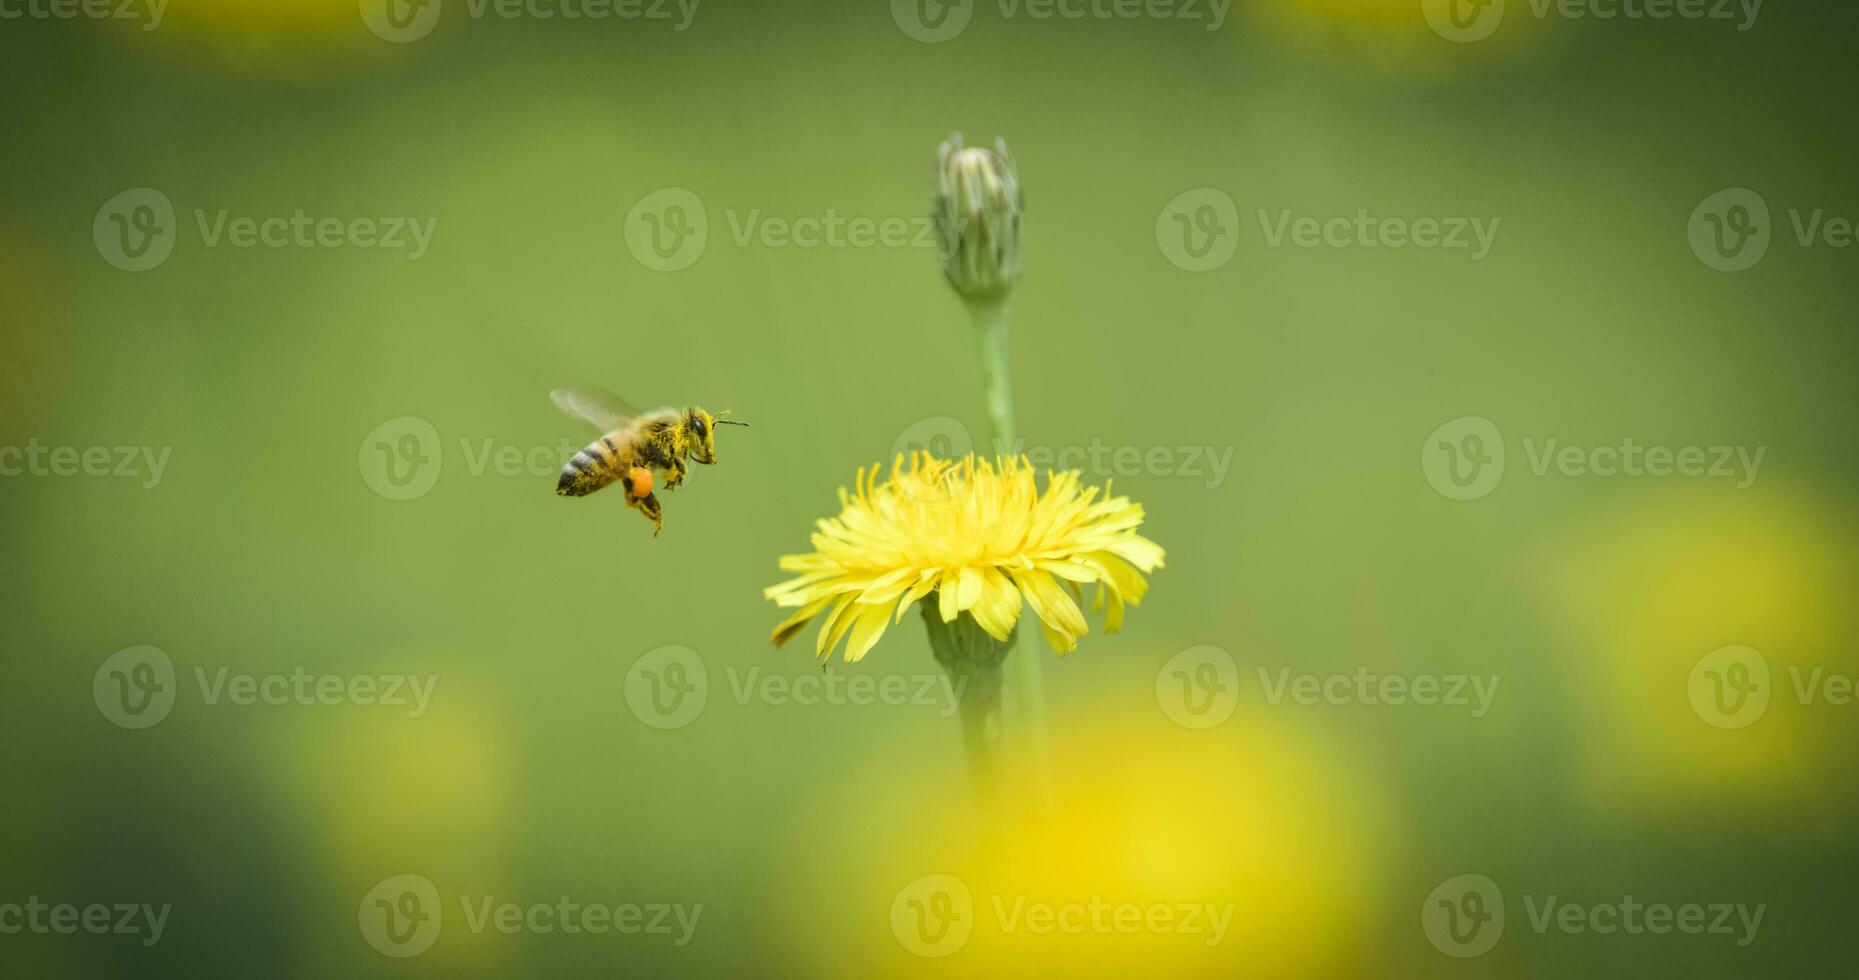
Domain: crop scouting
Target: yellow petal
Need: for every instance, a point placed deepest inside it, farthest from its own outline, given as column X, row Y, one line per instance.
column 917, row 591
column 968, row 583
column 1123, row 579
column 1139, row 551
column 797, row 622
column 1070, row 570
column 834, row 627
column 865, row 632
column 892, row 577
column 798, row 584
column 887, row 587
column 999, row 607
column 1053, row 607
column 1113, row 616
column 1060, row 643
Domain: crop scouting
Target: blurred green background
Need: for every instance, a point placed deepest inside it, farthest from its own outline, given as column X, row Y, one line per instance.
column 265, row 546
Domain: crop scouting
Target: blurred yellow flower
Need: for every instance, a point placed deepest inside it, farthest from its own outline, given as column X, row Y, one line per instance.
column 1284, row 830
column 1651, row 596
column 978, row 534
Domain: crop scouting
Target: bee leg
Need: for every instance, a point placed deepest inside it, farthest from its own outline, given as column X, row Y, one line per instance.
column 639, row 496
column 648, row 505
column 678, row 469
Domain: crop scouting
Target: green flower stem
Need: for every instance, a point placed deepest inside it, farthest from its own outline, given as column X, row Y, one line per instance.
column 973, row 660
column 1027, row 701
column 990, row 318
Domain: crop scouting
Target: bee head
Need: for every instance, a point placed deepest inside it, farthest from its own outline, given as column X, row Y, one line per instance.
column 701, row 426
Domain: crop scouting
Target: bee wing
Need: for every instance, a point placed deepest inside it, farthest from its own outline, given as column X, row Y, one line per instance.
column 604, row 409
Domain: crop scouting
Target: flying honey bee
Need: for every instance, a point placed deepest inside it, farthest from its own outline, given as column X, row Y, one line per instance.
column 638, row 448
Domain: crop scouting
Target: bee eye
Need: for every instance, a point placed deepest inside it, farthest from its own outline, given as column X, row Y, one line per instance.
column 698, row 424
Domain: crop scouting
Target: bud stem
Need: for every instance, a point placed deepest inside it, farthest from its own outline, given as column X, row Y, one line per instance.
column 990, row 319
column 1026, row 710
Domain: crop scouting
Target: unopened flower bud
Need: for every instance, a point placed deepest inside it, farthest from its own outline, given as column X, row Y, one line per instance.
column 978, row 209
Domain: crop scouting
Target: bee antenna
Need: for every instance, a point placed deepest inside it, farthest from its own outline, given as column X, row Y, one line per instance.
column 720, row 420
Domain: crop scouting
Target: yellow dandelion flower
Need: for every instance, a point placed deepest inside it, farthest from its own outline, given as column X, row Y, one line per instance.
column 978, row 534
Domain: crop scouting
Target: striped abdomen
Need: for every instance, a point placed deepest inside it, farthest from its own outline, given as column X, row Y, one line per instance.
column 601, row 463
